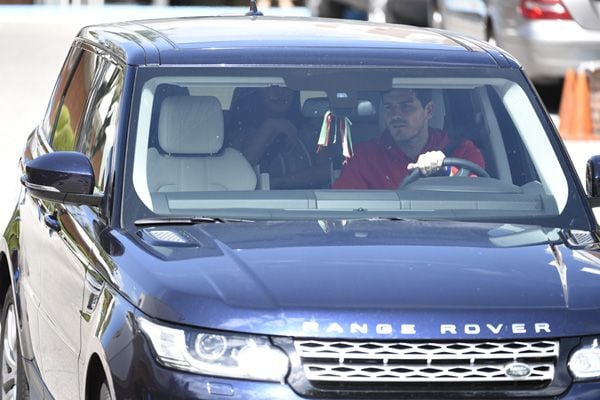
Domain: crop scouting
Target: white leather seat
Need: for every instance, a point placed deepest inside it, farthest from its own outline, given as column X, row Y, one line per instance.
column 191, row 155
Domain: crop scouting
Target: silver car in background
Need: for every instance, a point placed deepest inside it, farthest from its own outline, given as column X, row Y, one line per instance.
column 546, row 36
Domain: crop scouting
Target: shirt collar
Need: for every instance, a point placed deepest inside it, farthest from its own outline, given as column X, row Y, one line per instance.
column 390, row 145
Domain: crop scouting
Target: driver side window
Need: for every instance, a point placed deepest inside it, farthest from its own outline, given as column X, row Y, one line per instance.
column 97, row 138
column 67, row 125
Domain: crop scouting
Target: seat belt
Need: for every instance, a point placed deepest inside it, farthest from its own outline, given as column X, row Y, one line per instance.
column 452, row 146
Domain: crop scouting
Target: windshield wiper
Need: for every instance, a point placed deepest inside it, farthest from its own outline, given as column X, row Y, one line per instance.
column 391, row 219
column 186, row 220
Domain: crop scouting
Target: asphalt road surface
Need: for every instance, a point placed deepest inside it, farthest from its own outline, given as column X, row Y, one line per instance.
column 33, row 44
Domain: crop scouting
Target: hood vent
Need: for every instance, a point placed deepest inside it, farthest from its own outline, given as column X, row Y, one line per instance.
column 579, row 239
column 166, row 237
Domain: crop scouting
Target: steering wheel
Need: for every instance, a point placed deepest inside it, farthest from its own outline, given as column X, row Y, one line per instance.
column 466, row 167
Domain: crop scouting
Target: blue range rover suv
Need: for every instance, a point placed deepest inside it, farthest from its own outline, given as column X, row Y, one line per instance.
column 237, row 208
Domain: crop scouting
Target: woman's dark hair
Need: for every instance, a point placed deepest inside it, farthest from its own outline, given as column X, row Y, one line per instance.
column 246, row 106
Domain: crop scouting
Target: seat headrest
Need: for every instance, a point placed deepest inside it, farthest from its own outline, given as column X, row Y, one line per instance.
column 191, row 125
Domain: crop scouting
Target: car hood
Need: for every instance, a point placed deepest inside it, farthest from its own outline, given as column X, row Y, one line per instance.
column 363, row 278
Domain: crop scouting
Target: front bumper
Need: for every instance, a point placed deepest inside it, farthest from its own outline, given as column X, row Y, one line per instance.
column 546, row 49
column 136, row 374
column 159, row 382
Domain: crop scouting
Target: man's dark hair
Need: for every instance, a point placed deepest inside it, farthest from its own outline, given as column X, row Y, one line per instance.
column 424, row 95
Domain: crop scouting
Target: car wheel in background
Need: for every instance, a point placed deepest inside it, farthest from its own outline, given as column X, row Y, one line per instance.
column 410, row 12
column 490, row 36
column 104, row 392
column 434, row 16
column 14, row 381
column 335, row 9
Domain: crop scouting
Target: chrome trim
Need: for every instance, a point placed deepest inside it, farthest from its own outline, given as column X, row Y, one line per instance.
column 454, row 362
column 34, row 186
column 92, row 290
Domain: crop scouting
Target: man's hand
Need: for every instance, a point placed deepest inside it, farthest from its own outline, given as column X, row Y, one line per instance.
column 428, row 163
column 258, row 143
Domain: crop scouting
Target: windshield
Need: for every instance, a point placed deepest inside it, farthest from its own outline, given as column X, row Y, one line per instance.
column 333, row 142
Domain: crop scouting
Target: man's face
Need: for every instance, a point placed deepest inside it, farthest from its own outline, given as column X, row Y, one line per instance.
column 404, row 115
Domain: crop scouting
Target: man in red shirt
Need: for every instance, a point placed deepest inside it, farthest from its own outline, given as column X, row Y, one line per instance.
column 407, row 143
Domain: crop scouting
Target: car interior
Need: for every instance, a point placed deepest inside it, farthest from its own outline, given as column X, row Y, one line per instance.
column 189, row 155
column 196, row 159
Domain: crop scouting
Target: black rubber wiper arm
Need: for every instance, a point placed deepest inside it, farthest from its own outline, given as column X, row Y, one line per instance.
column 186, row 220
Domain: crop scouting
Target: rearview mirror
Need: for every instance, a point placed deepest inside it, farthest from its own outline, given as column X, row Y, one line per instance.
column 316, row 107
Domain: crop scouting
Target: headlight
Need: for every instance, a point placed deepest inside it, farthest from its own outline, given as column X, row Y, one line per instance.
column 218, row 354
column 584, row 363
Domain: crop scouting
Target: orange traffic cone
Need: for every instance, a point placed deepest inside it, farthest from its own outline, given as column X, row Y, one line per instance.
column 575, row 107
column 565, row 111
column 582, row 119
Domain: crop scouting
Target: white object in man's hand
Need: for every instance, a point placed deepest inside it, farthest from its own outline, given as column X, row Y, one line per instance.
column 428, row 163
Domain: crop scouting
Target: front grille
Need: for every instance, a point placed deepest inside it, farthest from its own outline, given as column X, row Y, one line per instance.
column 349, row 362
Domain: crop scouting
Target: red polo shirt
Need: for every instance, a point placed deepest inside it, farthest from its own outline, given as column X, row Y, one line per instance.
column 380, row 164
